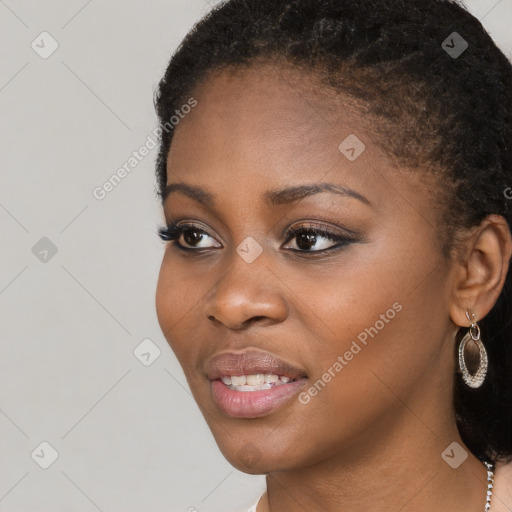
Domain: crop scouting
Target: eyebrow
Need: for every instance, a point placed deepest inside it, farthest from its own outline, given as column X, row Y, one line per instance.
column 274, row 197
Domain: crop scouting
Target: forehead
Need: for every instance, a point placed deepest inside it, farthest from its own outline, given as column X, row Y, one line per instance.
column 268, row 127
column 277, row 118
column 280, row 101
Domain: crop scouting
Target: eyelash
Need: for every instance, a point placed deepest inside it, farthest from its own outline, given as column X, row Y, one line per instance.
column 172, row 232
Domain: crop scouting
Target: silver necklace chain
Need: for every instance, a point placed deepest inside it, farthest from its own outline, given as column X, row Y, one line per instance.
column 490, row 482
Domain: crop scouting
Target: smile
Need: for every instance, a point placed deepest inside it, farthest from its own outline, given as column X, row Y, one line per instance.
column 255, row 382
column 253, row 401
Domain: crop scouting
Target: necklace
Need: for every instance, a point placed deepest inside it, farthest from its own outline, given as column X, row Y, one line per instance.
column 490, row 483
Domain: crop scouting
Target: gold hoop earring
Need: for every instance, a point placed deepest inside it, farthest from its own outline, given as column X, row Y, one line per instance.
column 473, row 334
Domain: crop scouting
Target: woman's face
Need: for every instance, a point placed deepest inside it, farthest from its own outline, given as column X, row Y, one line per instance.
column 365, row 326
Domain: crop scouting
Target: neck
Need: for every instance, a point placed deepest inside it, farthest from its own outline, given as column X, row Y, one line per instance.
column 400, row 470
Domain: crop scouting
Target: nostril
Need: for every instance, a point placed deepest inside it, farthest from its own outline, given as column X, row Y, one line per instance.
column 253, row 319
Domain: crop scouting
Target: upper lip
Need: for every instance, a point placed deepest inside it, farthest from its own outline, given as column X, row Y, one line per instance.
column 250, row 362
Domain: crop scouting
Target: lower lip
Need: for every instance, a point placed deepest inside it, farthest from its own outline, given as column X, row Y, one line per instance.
column 253, row 404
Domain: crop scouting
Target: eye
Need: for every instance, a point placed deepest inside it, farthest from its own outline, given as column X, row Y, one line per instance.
column 317, row 239
column 307, row 238
column 194, row 237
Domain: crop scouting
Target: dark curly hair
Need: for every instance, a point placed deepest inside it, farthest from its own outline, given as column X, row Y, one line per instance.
column 431, row 111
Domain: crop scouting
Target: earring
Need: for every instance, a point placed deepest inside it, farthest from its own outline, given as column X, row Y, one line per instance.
column 473, row 334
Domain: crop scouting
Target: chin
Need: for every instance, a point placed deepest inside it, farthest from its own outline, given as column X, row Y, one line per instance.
column 257, row 457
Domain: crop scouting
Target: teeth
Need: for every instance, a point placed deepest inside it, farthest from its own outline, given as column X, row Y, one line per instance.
column 260, row 387
column 238, row 380
column 254, row 382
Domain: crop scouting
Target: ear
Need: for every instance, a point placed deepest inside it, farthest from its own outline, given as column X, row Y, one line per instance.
column 481, row 269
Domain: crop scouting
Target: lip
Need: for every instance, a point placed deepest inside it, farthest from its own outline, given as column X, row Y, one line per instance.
column 250, row 362
column 252, row 404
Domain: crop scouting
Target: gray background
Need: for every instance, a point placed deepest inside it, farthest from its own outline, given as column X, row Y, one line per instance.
column 128, row 434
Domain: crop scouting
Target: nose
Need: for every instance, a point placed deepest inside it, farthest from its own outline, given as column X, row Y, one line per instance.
column 245, row 294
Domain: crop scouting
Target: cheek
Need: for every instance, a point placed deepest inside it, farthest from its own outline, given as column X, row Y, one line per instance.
column 180, row 296
column 384, row 292
column 174, row 300
column 367, row 308
column 165, row 297
column 380, row 321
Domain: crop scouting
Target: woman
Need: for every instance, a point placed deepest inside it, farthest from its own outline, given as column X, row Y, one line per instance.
column 336, row 280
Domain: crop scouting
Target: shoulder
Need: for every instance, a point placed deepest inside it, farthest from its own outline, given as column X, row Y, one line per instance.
column 254, row 507
column 501, row 500
column 251, row 509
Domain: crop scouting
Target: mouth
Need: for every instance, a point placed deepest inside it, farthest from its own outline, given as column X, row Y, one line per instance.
column 252, row 384
column 248, row 366
column 255, row 382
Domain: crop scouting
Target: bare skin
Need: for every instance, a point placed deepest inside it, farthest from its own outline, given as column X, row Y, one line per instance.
column 372, row 438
